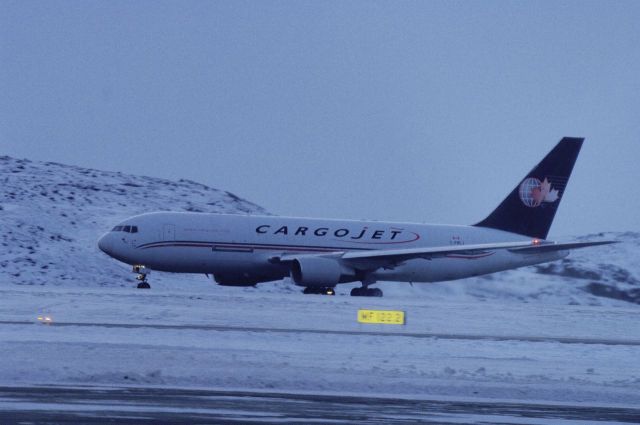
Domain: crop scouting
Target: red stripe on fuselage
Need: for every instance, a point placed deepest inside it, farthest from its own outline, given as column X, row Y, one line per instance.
column 470, row 257
column 264, row 247
column 240, row 246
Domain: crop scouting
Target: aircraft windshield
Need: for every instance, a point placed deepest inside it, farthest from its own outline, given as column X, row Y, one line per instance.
column 128, row 229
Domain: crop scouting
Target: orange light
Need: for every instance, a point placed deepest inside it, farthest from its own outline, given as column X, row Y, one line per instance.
column 536, row 241
column 45, row 319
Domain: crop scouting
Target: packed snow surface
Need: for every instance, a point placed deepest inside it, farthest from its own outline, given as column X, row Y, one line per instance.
column 567, row 331
column 199, row 335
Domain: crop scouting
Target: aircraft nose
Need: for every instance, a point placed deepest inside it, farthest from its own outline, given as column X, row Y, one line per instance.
column 104, row 243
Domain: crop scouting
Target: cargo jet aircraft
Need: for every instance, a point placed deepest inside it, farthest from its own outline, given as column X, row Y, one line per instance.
column 319, row 254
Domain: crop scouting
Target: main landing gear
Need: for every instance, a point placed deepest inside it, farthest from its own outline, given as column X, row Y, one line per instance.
column 355, row 292
column 141, row 277
column 327, row 290
column 366, row 292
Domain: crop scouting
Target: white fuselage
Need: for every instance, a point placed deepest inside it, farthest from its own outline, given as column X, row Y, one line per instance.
column 242, row 248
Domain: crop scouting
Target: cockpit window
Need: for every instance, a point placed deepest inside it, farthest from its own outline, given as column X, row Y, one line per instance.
column 128, row 229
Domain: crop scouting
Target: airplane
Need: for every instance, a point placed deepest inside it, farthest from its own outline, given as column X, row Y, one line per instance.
column 319, row 254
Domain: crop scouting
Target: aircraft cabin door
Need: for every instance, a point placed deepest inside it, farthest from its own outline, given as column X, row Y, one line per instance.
column 169, row 232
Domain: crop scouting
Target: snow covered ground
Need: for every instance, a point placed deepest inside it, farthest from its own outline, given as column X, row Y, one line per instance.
column 565, row 332
column 199, row 335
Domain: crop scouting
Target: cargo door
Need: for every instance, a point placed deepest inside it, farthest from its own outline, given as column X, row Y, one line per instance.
column 169, row 232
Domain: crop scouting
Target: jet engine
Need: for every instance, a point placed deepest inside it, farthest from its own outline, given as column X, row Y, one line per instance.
column 319, row 272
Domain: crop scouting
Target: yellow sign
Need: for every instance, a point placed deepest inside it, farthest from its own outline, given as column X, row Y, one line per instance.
column 386, row 317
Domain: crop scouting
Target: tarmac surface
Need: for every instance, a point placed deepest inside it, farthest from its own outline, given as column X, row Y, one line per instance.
column 129, row 405
column 454, row 336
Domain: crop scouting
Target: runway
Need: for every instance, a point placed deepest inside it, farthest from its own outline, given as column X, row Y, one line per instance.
column 98, row 405
column 467, row 363
column 450, row 336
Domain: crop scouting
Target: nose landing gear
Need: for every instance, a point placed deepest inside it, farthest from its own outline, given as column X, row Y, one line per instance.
column 141, row 276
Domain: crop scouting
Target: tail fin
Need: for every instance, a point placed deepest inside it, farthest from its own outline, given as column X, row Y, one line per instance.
column 530, row 207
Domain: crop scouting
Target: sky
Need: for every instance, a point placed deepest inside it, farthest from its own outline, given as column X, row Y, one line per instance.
column 403, row 111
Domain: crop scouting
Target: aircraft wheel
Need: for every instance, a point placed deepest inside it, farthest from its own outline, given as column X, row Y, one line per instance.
column 366, row 292
column 144, row 285
column 374, row 292
column 323, row 291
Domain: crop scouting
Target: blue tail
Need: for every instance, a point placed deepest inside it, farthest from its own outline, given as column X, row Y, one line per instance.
column 530, row 208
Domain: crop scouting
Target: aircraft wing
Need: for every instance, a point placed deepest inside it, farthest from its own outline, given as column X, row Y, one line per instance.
column 558, row 247
column 431, row 252
column 384, row 257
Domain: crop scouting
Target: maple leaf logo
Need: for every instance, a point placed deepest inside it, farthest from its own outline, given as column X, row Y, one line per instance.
column 534, row 192
column 551, row 195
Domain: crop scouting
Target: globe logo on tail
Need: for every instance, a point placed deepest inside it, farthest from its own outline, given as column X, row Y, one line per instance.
column 534, row 192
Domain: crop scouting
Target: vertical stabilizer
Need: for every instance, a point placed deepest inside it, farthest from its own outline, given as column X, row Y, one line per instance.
column 530, row 207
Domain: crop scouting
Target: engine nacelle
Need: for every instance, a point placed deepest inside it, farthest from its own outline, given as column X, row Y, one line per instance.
column 319, row 272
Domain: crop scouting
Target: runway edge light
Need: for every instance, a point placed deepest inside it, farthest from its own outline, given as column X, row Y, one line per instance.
column 385, row 317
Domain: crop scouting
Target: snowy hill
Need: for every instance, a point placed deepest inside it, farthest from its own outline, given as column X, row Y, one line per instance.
column 607, row 275
column 53, row 214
